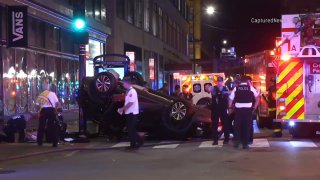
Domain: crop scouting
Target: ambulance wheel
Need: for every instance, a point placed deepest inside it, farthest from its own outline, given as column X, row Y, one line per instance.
column 136, row 77
column 105, row 83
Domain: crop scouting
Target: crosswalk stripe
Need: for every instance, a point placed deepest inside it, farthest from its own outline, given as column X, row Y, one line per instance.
column 121, row 144
column 208, row 144
column 260, row 143
column 306, row 143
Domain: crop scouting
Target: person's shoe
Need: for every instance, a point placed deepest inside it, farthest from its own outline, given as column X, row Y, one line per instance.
column 250, row 142
column 245, row 147
column 215, row 142
column 226, row 141
column 130, row 148
column 55, row 145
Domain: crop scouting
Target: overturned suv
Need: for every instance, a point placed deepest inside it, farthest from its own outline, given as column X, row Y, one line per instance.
column 159, row 114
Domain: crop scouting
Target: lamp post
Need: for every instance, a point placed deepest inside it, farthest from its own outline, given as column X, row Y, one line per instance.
column 210, row 10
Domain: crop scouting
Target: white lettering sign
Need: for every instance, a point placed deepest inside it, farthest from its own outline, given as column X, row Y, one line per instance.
column 17, row 25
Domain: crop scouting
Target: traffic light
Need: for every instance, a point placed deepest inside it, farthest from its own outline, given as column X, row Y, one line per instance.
column 81, row 36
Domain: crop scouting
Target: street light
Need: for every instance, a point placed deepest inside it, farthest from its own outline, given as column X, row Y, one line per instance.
column 224, row 42
column 210, row 10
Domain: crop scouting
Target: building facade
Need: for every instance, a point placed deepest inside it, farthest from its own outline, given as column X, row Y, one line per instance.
column 155, row 31
column 51, row 57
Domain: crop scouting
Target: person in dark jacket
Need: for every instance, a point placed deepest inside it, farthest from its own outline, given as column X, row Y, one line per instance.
column 219, row 110
column 245, row 99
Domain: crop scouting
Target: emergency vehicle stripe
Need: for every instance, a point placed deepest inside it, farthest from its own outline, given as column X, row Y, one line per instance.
column 293, row 103
column 291, row 88
column 287, row 70
column 293, row 110
column 298, row 71
column 299, row 114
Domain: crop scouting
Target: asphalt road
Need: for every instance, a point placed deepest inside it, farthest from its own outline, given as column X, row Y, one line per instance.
column 266, row 159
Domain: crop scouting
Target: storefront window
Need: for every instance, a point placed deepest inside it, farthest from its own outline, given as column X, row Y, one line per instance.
column 52, row 37
column 35, row 32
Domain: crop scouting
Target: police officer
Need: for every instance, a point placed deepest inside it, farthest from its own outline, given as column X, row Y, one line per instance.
column 48, row 101
column 243, row 96
column 131, row 112
column 219, row 110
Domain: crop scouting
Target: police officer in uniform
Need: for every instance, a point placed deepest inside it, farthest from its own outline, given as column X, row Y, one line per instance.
column 219, row 110
column 131, row 112
column 243, row 96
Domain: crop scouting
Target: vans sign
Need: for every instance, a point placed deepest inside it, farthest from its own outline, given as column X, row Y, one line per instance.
column 17, row 26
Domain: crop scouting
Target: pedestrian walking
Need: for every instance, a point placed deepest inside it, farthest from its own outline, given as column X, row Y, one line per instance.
column 245, row 98
column 131, row 112
column 48, row 101
column 219, row 110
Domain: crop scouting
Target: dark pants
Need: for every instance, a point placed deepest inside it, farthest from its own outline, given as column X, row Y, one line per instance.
column 135, row 139
column 222, row 114
column 47, row 118
column 242, row 124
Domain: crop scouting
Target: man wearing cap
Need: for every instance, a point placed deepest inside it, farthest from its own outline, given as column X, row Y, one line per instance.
column 245, row 99
column 131, row 111
column 219, row 110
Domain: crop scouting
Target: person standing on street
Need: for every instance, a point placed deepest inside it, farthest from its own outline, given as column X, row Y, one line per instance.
column 48, row 101
column 177, row 91
column 164, row 89
column 246, row 101
column 219, row 110
column 131, row 111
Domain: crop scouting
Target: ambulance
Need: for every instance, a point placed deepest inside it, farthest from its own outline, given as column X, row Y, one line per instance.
column 298, row 75
column 196, row 85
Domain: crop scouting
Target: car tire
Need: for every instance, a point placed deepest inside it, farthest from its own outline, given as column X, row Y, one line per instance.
column 175, row 118
column 104, row 83
column 136, row 77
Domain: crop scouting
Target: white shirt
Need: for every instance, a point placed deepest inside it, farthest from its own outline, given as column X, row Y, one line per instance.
column 45, row 96
column 243, row 105
column 132, row 96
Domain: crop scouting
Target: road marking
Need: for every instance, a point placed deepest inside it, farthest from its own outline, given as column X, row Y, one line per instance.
column 208, row 144
column 121, row 144
column 260, row 143
column 71, row 154
column 167, row 145
column 306, row 143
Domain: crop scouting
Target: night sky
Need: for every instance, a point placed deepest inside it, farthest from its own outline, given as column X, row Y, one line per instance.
column 234, row 17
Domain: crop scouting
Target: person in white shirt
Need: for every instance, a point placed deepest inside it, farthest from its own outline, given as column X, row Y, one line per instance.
column 246, row 101
column 131, row 112
column 47, row 101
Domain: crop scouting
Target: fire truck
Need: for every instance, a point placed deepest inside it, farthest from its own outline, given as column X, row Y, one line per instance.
column 196, row 83
column 298, row 75
column 260, row 67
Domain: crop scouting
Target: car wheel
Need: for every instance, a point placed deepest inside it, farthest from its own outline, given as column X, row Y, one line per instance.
column 136, row 77
column 105, row 83
column 176, row 118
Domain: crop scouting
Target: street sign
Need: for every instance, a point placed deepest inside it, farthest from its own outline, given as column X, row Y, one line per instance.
column 17, row 26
